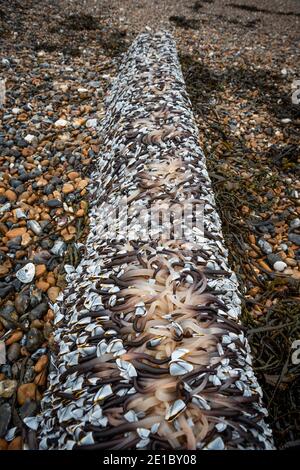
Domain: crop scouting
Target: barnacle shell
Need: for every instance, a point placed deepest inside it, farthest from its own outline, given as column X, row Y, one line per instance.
column 175, row 409
column 127, row 370
column 27, row 273
column 179, row 367
column 150, row 352
column 103, row 392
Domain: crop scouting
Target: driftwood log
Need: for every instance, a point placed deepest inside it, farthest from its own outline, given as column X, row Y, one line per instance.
column 151, row 352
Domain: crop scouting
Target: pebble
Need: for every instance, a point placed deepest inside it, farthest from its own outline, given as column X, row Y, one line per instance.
column 34, row 339
column 53, row 293
column 13, row 352
column 58, row 248
column 280, row 266
column 5, row 290
column 67, row 188
column 73, row 175
column 9, row 318
column 273, row 258
column 38, row 311
column 82, row 184
column 22, row 302
column 42, row 257
column 42, row 285
column 82, row 90
column 284, row 246
column 80, row 213
column 41, row 363
column 10, row 195
column 265, row 246
column 291, row 262
column 54, row 203
column 26, row 239
column 5, row 207
column 3, row 444
column 29, row 408
column 14, row 337
column 40, row 270
column 294, row 224
column 7, row 388
column 20, row 214
column 27, row 273
column 16, row 232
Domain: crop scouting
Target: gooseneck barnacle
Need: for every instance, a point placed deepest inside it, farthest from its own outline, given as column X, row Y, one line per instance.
column 151, row 353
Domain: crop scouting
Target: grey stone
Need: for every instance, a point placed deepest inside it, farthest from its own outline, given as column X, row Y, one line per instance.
column 34, row 226
column 34, row 339
column 295, row 224
column 294, row 238
column 54, row 203
column 280, row 266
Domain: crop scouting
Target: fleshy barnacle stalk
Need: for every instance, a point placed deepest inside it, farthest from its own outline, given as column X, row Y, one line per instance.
column 151, row 351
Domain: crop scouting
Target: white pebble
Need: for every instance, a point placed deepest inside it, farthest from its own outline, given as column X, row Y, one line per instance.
column 29, row 138
column 280, row 266
column 295, row 223
column 82, row 90
column 60, row 123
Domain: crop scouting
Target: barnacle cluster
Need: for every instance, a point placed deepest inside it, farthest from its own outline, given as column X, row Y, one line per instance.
column 151, row 351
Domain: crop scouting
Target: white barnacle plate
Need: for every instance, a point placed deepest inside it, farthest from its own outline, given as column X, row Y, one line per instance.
column 216, row 444
column 180, row 367
column 200, row 402
column 140, row 310
column 178, row 353
column 131, row 416
column 221, row 426
column 93, row 301
column 116, row 347
column 101, row 348
column 87, row 440
column 103, row 392
column 26, row 274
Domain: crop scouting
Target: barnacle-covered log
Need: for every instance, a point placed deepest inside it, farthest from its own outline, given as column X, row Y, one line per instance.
column 151, row 353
